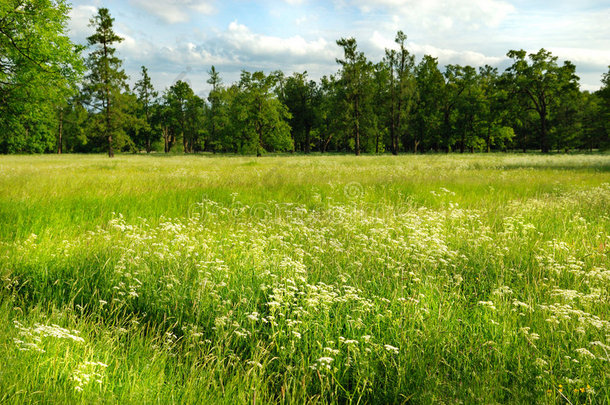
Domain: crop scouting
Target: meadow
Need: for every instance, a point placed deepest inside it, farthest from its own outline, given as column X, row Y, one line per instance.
column 292, row 279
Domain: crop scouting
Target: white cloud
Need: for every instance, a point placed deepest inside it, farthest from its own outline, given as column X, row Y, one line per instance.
column 583, row 56
column 249, row 47
column 79, row 22
column 444, row 55
column 175, row 11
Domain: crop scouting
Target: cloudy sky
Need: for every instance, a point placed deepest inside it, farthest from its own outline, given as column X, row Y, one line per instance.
column 182, row 39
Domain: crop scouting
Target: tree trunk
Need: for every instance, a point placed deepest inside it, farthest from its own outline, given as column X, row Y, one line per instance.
column 166, row 138
column 110, row 149
column 108, row 129
column 107, row 91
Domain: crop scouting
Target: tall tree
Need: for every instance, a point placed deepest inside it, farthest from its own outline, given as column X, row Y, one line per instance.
column 355, row 77
column 604, row 94
column 470, row 105
column 428, row 114
column 215, row 98
column 539, row 85
column 185, row 111
column 457, row 79
column 39, row 69
column 146, row 98
column 106, row 79
column 331, row 112
column 403, row 90
column 493, row 109
column 302, row 97
column 262, row 116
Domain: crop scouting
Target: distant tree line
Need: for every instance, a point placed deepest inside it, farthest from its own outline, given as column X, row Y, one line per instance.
column 54, row 101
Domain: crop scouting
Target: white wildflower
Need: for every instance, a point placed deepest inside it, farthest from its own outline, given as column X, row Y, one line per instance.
column 391, row 349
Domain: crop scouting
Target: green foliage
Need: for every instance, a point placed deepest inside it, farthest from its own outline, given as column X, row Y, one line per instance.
column 428, row 117
column 393, row 105
column 38, row 71
column 357, row 81
column 259, row 115
column 302, row 97
column 146, row 99
column 216, row 113
column 604, row 117
column 184, row 112
column 402, row 88
column 105, row 85
column 74, row 128
column 540, row 85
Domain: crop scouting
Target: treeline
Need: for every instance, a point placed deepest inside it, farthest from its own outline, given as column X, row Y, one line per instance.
column 54, row 101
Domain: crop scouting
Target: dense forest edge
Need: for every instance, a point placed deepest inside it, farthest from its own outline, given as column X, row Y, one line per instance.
column 58, row 97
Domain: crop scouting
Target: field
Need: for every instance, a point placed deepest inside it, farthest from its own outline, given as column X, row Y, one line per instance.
column 323, row 279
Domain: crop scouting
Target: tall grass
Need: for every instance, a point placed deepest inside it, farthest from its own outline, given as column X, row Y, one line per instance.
column 323, row 279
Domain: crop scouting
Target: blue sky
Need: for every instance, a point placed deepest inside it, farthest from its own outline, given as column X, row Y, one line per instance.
column 182, row 39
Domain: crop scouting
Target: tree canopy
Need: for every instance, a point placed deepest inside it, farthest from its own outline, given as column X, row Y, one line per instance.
column 39, row 69
column 398, row 104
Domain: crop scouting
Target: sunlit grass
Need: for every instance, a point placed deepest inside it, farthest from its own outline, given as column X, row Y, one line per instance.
column 323, row 279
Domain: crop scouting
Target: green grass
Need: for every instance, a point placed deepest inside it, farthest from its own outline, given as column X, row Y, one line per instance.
column 322, row 279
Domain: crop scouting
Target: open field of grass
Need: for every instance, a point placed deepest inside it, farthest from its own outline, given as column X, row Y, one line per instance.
column 323, row 279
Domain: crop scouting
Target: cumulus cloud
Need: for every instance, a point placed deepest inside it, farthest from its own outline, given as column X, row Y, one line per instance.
column 175, row 11
column 231, row 50
column 244, row 45
column 79, row 22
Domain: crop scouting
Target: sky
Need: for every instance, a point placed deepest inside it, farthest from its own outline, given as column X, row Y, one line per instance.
column 182, row 39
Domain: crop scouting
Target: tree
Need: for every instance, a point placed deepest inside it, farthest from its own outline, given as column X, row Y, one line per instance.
column 331, row 122
column 302, row 97
column 427, row 118
column 403, row 90
column 73, row 130
column 539, row 85
column 494, row 109
column 594, row 124
column 106, row 80
column 184, row 114
column 262, row 117
column 39, row 69
column 146, row 98
column 355, row 77
column 457, row 79
column 604, row 94
column 469, row 106
column 215, row 110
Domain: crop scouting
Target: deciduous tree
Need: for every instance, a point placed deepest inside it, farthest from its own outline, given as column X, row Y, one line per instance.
column 539, row 85
column 39, row 69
